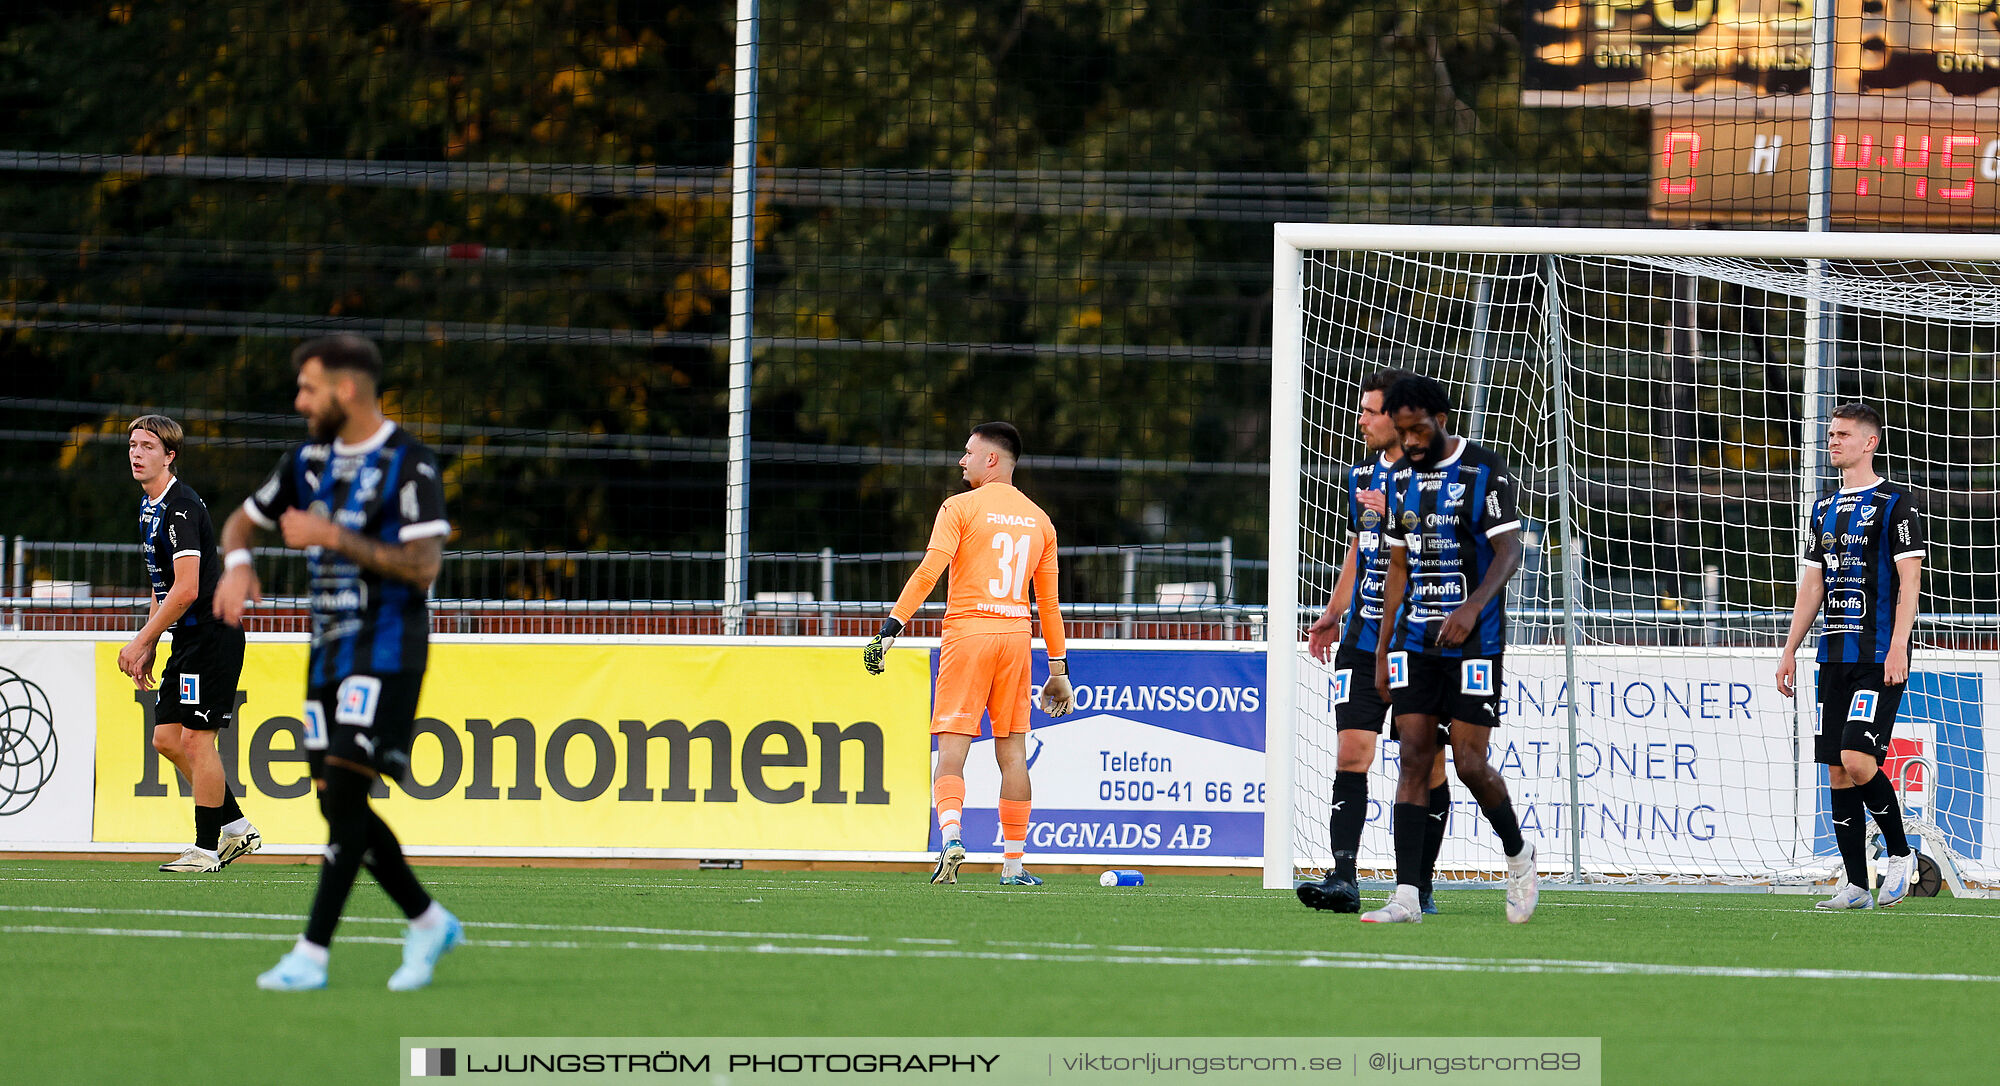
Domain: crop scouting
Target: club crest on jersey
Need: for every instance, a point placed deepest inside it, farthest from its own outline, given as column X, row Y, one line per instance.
column 1399, row 670
column 1863, row 706
column 1476, row 677
column 1867, row 516
column 1410, row 519
column 1343, row 685
column 1454, row 494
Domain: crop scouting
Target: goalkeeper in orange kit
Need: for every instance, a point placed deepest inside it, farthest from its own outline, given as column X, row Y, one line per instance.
column 994, row 540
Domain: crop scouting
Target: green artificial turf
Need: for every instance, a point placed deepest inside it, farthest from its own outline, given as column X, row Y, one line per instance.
column 115, row 973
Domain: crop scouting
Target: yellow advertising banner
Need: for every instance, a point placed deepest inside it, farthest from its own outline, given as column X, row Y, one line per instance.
column 703, row 747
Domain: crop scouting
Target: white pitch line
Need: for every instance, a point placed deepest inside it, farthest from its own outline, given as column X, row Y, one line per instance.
column 197, row 914
column 1187, row 956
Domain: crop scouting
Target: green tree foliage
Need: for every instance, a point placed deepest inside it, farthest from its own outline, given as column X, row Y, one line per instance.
column 1038, row 210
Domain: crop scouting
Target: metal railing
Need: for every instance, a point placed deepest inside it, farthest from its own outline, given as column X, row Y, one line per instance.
column 1187, row 591
column 1147, row 590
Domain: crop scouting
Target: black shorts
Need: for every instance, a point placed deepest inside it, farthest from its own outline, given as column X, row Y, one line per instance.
column 198, row 686
column 364, row 719
column 1356, row 705
column 1449, row 688
column 1857, row 711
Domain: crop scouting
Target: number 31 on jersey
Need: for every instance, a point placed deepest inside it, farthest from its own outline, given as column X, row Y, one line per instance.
column 1012, row 584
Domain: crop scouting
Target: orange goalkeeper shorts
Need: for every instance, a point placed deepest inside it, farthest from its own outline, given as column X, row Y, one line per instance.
column 982, row 672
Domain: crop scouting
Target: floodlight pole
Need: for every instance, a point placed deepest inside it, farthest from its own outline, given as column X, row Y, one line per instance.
column 742, row 266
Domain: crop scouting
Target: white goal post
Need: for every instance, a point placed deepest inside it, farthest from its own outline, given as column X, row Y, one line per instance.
column 1662, row 396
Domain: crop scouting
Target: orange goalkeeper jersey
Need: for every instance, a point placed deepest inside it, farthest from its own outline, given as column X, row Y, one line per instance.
column 997, row 544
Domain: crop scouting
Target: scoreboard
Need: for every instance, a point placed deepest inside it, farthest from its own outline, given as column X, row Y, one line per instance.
column 1916, row 101
column 1721, row 170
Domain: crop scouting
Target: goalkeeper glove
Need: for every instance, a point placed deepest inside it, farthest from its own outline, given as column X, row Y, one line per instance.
column 1058, row 697
column 874, row 657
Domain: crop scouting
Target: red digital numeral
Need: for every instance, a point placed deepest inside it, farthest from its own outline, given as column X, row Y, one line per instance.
column 1902, row 161
column 1962, row 192
column 1841, row 159
column 1685, row 141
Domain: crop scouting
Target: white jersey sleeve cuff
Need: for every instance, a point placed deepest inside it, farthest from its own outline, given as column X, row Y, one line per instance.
column 425, row 530
column 255, row 514
column 1398, row 541
column 1510, row 526
column 1908, row 554
column 186, row 554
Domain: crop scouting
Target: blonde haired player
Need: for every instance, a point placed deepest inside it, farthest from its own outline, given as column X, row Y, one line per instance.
column 995, row 542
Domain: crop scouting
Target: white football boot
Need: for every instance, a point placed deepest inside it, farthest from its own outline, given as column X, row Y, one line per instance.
column 1849, row 896
column 1522, row 890
column 1401, row 908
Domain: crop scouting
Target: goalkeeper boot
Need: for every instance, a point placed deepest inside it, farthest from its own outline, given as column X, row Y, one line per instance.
column 1020, row 878
column 194, row 858
column 422, row 947
column 1849, row 897
column 235, row 846
column 1895, row 880
column 1332, row 894
column 1522, row 892
column 1401, row 908
column 949, row 857
column 294, row 973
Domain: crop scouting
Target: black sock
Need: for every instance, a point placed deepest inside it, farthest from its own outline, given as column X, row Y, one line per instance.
column 1880, row 801
column 230, row 811
column 1505, row 824
column 344, row 802
column 1345, row 820
column 1438, row 818
column 1411, row 823
column 207, row 826
column 1849, row 832
column 386, row 862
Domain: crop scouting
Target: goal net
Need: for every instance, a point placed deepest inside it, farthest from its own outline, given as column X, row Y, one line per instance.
column 1663, row 398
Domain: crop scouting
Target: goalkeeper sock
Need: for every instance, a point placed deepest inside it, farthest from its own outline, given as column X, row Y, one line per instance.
column 1344, row 821
column 1013, row 833
column 1410, row 826
column 1849, row 833
column 948, row 796
column 1880, row 801
column 1435, row 821
column 1505, row 825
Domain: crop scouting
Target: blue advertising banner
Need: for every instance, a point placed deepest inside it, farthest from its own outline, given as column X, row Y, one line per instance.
column 1162, row 762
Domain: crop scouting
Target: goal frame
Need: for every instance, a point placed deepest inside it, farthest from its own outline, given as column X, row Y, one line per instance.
column 1291, row 241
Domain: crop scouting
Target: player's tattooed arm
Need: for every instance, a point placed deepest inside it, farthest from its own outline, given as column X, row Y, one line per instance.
column 414, row 562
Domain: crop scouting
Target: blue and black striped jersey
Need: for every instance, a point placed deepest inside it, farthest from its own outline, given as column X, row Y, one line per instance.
column 1446, row 518
column 174, row 525
column 1371, row 555
column 1856, row 537
column 386, row 488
